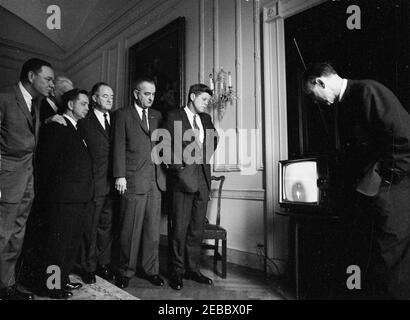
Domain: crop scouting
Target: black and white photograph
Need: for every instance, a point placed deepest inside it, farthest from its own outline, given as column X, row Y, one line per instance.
column 230, row 154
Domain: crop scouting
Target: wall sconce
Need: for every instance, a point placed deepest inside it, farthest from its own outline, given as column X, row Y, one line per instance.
column 221, row 85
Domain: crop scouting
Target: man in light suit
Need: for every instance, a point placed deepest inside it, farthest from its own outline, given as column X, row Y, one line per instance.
column 19, row 128
column 140, row 183
column 97, row 239
column 190, row 179
column 29, row 259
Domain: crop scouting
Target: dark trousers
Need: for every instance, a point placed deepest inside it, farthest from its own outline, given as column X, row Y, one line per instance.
column 186, row 228
column 140, row 232
column 13, row 218
column 381, row 243
column 97, row 237
column 65, row 226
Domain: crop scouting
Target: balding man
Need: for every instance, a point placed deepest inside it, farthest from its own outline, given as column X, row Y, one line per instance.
column 49, row 106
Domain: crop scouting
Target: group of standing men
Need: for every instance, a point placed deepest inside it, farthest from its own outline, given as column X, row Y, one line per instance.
column 65, row 157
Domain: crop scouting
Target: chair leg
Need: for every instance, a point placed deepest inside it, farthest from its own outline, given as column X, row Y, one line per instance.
column 216, row 248
column 224, row 258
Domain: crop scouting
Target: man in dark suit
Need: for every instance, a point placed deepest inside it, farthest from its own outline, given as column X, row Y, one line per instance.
column 140, row 183
column 190, row 178
column 50, row 105
column 19, row 128
column 66, row 184
column 375, row 168
column 97, row 239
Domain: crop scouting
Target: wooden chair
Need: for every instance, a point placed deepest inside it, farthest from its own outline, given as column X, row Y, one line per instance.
column 216, row 232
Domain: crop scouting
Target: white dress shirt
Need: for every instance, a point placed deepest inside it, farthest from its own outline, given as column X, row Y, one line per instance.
column 139, row 110
column 101, row 119
column 73, row 121
column 26, row 95
column 198, row 121
column 342, row 91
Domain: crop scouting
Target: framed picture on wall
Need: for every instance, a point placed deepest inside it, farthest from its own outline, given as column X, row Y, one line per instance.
column 161, row 56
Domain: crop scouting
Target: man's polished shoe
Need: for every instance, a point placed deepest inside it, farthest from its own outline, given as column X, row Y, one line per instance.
column 12, row 293
column 198, row 277
column 156, row 280
column 55, row 294
column 176, row 282
column 105, row 272
column 122, row 282
column 72, row 286
column 88, row 277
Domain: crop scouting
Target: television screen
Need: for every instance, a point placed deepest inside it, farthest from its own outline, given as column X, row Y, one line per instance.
column 299, row 182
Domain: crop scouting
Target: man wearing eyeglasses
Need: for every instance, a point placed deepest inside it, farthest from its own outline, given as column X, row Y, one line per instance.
column 19, row 128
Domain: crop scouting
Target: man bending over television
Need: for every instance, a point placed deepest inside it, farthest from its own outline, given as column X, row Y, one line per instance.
column 374, row 131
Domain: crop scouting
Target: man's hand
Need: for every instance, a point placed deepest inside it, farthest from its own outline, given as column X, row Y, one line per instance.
column 56, row 118
column 121, row 185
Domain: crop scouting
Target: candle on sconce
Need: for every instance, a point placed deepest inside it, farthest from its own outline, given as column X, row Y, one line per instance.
column 211, row 83
column 229, row 79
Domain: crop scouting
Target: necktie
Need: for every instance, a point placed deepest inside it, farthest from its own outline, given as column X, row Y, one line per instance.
column 106, row 124
column 33, row 111
column 144, row 121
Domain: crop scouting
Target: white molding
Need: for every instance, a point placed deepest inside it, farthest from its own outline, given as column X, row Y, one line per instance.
column 271, row 12
column 275, row 122
column 97, row 32
column 119, row 97
column 104, row 66
column 258, row 85
column 112, row 50
column 227, row 168
column 238, row 257
column 90, row 59
column 238, row 80
column 215, row 53
column 240, row 194
column 201, row 75
column 119, row 27
column 276, row 136
column 289, row 8
column 14, row 45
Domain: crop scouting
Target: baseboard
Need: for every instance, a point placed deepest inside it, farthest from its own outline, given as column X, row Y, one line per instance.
column 246, row 259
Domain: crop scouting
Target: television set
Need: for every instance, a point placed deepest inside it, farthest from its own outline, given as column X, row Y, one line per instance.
column 306, row 185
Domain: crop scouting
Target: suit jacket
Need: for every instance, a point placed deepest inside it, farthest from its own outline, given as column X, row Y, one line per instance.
column 46, row 110
column 18, row 139
column 64, row 162
column 183, row 172
column 132, row 150
column 99, row 143
column 375, row 134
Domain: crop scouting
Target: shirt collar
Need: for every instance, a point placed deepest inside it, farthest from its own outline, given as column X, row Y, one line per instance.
column 189, row 113
column 72, row 120
column 26, row 95
column 343, row 89
column 139, row 109
column 100, row 114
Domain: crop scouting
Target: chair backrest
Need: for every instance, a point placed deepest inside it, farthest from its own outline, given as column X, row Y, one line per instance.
column 221, row 180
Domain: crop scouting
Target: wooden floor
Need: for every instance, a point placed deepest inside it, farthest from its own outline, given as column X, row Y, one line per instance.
column 240, row 284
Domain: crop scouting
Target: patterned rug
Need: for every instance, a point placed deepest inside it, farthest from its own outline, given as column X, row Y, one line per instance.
column 101, row 290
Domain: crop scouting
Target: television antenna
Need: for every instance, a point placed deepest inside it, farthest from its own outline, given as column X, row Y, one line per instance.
column 315, row 102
